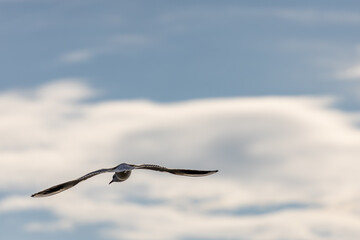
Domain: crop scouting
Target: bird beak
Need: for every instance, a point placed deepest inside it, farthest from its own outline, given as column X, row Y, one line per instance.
column 111, row 181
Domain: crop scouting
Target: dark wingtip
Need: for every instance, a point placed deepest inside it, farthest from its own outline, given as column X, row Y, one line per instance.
column 37, row 195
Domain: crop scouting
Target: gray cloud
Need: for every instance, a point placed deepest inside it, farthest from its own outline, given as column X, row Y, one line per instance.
column 280, row 159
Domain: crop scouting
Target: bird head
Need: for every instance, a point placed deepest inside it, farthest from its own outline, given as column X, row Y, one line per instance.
column 114, row 179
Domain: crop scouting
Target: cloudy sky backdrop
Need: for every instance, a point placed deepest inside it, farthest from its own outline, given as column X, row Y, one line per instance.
column 267, row 92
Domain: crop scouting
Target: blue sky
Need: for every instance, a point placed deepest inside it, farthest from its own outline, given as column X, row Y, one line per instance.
column 178, row 50
column 265, row 91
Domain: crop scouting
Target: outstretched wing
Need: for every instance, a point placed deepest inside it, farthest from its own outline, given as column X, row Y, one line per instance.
column 181, row 172
column 66, row 185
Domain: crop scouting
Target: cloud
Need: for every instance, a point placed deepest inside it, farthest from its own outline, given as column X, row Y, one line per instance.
column 65, row 89
column 316, row 16
column 280, row 158
column 77, row 56
column 349, row 68
column 305, row 16
column 118, row 44
column 350, row 73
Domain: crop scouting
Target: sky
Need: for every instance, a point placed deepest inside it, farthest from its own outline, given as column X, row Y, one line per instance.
column 266, row 92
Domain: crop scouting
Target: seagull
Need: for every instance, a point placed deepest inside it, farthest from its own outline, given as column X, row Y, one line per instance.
column 121, row 173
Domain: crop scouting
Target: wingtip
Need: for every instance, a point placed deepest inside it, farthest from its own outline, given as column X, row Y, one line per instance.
column 37, row 195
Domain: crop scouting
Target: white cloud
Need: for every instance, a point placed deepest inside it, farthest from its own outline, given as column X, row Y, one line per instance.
column 316, row 16
column 273, row 153
column 306, row 16
column 77, row 56
column 350, row 73
column 65, row 89
column 118, row 44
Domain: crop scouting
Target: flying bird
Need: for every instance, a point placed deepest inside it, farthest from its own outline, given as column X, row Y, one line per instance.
column 121, row 173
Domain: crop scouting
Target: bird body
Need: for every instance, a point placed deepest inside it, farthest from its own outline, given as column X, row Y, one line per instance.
column 120, row 176
column 121, row 173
